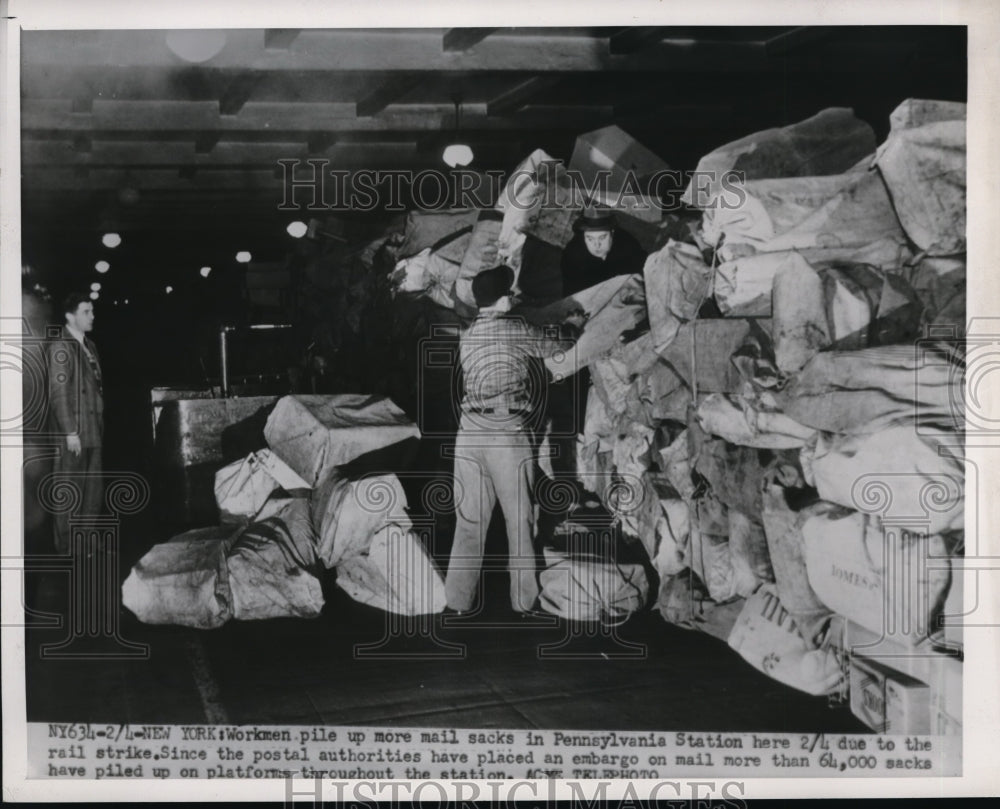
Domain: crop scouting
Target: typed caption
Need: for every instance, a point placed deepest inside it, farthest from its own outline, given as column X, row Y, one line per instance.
column 110, row 752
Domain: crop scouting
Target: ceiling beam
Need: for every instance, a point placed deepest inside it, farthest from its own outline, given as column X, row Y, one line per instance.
column 461, row 39
column 78, row 179
column 193, row 206
column 520, row 94
column 634, row 39
column 388, row 50
column 163, row 117
column 387, row 92
column 236, row 182
column 54, row 154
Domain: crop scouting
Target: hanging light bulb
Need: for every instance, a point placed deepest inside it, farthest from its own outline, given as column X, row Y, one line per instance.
column 95, row 295
column 243, row 257
column 205, row 271
column 102, row 266
column 170, row 289
column 457, row 154
column 111, row 240
column 297, row 229
column 95, row 287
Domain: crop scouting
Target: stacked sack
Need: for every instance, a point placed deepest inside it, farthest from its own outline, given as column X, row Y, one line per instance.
column 290, row 512
column 799, row 459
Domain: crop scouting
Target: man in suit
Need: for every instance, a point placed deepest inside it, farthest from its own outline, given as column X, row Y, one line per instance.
column 598, row 251
column 76, row 406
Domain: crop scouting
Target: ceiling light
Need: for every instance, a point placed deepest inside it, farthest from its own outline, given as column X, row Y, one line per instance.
column 243, row 257
column 457, row 154
column 95, row 287
column 205, row 271
column 111, row 240
column 126, row 301
column 196, row 46
column 102, row 266
column 297, row 229
column 95, row 295
column 169, row 289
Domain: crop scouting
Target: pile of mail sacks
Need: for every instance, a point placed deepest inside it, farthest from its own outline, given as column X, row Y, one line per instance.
column 290, row 512
column 773, row 412
column 791, row 422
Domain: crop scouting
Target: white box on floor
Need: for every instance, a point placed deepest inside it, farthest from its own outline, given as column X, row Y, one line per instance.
column 887, row 700
column 907, row 705
column 867, row 684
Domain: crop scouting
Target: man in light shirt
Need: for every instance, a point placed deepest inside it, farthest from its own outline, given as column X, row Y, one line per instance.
column 493, row 451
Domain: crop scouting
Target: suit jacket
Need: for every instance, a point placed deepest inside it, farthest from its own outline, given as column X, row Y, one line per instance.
column 76, row 404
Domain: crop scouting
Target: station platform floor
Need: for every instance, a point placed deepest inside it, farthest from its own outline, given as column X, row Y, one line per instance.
column 355, row 665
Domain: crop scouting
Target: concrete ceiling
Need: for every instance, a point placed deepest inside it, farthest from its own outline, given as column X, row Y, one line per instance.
column 119, row 131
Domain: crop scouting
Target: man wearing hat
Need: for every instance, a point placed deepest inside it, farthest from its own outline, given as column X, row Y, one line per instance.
column 598, row 251
column 493, row 450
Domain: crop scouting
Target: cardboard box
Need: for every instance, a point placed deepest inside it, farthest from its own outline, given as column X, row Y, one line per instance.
column 189, row 450
column 888, row 701
column 867, row 692
column 907, row 705
column 941, row 673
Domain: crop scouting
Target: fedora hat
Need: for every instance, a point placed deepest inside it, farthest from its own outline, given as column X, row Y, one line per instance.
column 595, row 217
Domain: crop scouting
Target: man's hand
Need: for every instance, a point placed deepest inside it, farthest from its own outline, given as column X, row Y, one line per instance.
column 73, row 444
